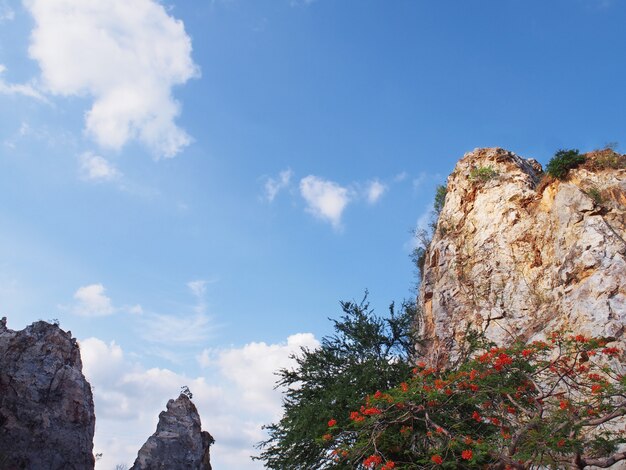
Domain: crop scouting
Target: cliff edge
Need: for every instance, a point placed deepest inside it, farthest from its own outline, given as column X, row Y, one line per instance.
column 46, row 406
column 517, row 253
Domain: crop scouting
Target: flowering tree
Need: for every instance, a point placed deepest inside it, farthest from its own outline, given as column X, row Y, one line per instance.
column 554, row 404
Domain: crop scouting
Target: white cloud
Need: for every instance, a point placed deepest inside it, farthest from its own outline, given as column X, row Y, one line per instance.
column 325, row 199
column 274, row 185
column 92, row 302
column 127, row 55
column 176, row 329
column 23, row 89
column 96, row 168
column 375, row 190
column 234, row 394
column 400, row 177
column 253, row 367
column 198, row 288
column 6, row 12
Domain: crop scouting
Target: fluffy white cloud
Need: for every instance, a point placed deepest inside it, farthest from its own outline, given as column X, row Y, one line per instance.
column 23, row 89
column 92, row 301
column 274, row 185
column 234, row 394
column 127, row 55
column 96, row 168
column 252, row 368
column 325, row 199
column 375, row 190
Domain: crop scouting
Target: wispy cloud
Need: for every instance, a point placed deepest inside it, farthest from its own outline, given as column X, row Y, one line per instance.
column 6, row 12
column 181, row 328
column 325, row 199
column 23, row 89
column 96, row 168
column 375, row 190
column 82, row 49
column 274, row 185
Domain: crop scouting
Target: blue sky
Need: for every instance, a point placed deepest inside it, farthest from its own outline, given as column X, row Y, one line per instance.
column 186, row 185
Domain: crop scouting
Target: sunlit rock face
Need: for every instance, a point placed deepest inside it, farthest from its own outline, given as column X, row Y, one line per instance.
column 46, row 406
column 516, row 256
column 179, row 442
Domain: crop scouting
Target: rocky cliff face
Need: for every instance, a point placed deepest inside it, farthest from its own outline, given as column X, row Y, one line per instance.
column 515, row 257
column 46, row 406
column 179, row 442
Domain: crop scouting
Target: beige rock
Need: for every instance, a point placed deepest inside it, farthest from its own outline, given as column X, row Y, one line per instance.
column 516, row 259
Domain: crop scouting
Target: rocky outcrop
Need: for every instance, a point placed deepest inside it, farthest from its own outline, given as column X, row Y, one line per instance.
column 179, row 442
column 516, row 253
column 46, row 406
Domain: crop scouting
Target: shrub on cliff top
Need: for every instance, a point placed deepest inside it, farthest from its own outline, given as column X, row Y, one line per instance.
column 563, row 161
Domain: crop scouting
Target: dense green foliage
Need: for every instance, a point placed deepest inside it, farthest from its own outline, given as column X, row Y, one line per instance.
column 548, row 404
column 563, row 161
column 365, row 353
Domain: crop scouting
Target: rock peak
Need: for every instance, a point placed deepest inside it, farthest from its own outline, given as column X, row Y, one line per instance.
column 178, row 442
column 515, row 258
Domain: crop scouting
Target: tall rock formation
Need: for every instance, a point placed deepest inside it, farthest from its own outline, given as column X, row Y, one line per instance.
column 46, row 407
column 179, row 442
column 516, row 256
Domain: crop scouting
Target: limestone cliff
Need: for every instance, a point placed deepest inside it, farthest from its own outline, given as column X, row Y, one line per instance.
column 516, row 253
column 179, row 442
column 46, row 406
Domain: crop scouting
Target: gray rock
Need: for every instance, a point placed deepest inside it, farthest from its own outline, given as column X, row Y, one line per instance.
column 46, row 406
column 178, row 443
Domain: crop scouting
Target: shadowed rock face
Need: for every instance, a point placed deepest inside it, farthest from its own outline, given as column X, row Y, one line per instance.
column 178, row 443
column 46, row 407
column 517, row 258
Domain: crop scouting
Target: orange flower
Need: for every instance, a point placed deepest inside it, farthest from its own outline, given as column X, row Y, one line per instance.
column 473, row 374
column 526, row 352
column 372, row 461
column 611, row 351
column 467, row 454
column 476, row 416
column 389, row 465
column 327, row 437
column 356, row 416
column 404, row 386
column 563, row 404
column 332, row 423
column 437, row 459
column 371, row 411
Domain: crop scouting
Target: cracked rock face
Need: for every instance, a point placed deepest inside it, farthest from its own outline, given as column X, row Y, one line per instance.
column 178, row 443
column 517, row 258
column 46, row 406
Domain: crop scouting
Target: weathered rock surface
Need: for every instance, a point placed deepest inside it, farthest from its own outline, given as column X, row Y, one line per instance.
column 515, row 258
column 179, row 442
column 46, row 406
